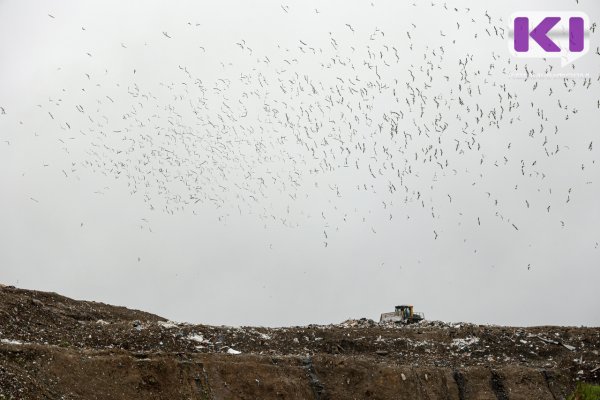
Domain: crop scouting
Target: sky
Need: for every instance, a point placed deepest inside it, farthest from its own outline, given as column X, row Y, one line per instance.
column 291, row 163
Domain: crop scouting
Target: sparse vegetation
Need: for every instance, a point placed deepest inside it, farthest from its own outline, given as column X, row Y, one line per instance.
column 585, row 391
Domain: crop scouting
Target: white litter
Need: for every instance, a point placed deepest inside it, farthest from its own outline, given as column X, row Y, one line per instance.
column 462, row 343
column 8, row 341
column 167, row 325
column 232, row 351
column 568, row 347
column 196, row 338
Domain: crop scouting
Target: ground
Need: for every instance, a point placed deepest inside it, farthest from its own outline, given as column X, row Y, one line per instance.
column 53, row 347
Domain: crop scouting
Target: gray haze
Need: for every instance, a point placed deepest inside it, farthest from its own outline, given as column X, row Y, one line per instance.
column 112, row 109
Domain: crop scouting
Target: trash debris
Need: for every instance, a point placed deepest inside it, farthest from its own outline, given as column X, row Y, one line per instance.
column 568, row 347
column 88, row 327
column 196, row 338
column 167, row 325
column 9, row 341
column 462, row 343
column 550, row 341
column 138, row 325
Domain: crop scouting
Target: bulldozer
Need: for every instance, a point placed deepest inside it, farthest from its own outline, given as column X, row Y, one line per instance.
column 403, row 314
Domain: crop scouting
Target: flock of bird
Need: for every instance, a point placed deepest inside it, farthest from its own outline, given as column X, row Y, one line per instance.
column 360, row 128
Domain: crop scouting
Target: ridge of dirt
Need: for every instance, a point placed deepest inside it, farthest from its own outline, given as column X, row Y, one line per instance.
column 53, row 347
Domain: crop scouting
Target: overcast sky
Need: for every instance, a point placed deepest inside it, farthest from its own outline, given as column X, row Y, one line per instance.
column 236, row 163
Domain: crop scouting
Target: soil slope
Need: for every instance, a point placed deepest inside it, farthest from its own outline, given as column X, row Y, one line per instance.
column 53, row 347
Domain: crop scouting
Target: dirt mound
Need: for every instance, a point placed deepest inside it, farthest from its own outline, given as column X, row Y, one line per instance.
column 52, row 347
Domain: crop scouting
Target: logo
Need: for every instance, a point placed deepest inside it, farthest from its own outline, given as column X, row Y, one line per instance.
column 546, row 34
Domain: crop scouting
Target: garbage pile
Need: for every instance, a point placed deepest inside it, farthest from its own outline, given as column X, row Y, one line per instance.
column 28, row 317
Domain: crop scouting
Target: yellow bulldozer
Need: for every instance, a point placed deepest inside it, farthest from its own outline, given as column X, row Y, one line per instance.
column 403, row 314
